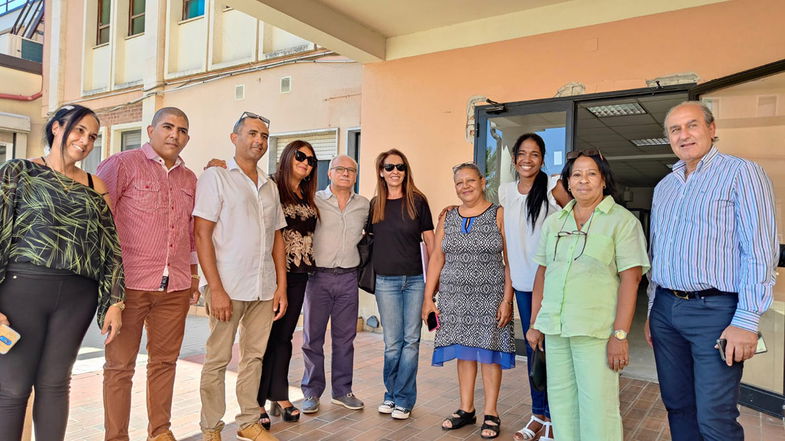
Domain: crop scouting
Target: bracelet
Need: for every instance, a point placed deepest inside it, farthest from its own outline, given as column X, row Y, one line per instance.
column 195, row 276
column 120, row 305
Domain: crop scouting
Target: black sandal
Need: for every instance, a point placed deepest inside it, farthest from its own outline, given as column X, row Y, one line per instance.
column 287, row 413
column 265, row 424
column 461, row 420
column 493, row 428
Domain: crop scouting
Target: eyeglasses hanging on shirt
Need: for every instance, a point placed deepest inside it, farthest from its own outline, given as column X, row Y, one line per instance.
column 563, row 233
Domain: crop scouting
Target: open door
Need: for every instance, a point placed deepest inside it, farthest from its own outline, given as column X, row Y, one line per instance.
column 749, row 109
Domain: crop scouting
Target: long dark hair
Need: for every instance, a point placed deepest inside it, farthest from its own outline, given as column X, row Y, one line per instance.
column 602, row 165
column 284, row 173
column 67, row 117
column 539, row 191
column 410, row 191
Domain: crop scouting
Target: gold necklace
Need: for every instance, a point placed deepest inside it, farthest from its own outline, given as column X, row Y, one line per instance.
column 57, row 176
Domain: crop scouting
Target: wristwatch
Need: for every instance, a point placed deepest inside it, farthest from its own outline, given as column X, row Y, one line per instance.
column 119, row 305
column 620, row 334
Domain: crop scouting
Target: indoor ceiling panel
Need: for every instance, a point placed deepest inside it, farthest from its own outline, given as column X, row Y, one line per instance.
column 629, row 120
column 640, row 131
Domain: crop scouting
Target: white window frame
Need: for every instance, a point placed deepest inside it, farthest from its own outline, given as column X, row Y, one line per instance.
column 116, row 137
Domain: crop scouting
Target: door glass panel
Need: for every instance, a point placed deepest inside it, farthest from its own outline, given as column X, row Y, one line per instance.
column 502, row 132
column 750, row 120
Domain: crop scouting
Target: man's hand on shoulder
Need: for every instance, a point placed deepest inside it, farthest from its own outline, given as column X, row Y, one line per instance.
column 740, row 344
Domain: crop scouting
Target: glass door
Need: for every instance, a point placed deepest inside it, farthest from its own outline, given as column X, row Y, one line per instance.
column 500, row 125
column 749, row 110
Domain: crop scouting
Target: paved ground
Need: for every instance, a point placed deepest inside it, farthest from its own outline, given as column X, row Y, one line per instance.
column 642, row 410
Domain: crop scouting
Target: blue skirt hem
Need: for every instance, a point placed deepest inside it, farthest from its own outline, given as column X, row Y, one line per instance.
column 446, row 353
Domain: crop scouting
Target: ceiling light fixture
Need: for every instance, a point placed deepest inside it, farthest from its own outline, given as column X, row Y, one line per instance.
column 625, row 109
column 649, row 141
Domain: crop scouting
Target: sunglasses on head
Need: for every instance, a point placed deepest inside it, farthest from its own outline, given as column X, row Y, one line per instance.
column 255, row 116
column 588, row 152
column 390, row 167
column 300, row 157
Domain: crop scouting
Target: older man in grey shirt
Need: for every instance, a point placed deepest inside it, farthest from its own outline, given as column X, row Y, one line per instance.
column 332, row 289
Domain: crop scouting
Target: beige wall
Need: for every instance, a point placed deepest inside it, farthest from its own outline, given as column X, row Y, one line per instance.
column 17, row 82
column 324, row 96
column 418, row 104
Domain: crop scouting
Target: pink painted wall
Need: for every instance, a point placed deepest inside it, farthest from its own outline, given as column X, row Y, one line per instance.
column 418, row 104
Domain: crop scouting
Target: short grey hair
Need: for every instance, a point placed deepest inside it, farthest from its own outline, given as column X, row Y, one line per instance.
column 708, row 116
column 332, row 161
column 465, row 165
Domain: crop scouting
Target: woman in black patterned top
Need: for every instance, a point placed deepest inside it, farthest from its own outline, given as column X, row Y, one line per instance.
column 59, row 262
column 296, row 180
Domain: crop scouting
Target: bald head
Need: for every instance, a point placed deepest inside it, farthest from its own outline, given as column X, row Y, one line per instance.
column 165, row 111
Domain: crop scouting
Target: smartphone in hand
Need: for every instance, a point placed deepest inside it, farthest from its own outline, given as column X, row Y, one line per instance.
column 8, row 338
column 433, row 321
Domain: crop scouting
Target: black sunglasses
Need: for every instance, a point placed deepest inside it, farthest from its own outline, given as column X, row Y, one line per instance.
column 300, row 157
column 255, row 116
column 588, row 152
column 390, row 167
column 579, row 233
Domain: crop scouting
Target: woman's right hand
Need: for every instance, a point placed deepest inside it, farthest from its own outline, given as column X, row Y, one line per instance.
column 428, row 306
column 4, row 320
column 535, row 338
column 215, row 163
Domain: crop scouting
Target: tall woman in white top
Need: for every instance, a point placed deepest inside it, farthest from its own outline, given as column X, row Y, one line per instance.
column 527, row 202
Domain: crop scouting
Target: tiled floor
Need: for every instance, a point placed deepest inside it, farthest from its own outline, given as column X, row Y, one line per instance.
column 642, row 410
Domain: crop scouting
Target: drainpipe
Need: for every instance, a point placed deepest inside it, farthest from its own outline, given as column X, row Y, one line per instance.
column 33, row 97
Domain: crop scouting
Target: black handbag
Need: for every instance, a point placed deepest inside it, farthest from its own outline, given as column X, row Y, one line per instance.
column 366, row 277
column 537, row 370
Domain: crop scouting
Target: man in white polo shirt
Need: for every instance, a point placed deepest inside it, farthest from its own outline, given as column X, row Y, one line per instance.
column 237, row 222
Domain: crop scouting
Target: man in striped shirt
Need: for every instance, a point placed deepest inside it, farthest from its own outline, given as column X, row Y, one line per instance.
column 714, row 253
column 152, row 197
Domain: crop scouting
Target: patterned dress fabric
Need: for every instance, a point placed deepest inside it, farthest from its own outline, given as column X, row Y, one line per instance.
column 298, row 236
column 52, row 221
column 471, row 288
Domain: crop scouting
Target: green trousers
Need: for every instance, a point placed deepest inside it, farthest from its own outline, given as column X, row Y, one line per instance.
column 583, row 392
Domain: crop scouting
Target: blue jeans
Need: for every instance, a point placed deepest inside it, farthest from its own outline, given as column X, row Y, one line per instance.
column 539, row 398
column 698, row 389
column 400, row 306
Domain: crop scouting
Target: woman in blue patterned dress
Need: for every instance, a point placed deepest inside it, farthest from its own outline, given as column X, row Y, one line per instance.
column 475, row 298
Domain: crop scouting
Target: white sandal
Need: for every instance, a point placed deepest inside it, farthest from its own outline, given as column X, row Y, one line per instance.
column 528, row 434
column 547, row 434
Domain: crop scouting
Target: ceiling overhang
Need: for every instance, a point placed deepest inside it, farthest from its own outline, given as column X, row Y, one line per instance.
column 370, row 31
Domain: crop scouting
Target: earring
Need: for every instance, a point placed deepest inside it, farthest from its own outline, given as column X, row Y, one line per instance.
column 307, row 178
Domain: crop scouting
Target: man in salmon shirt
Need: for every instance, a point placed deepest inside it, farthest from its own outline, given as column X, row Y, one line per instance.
column 152, row 198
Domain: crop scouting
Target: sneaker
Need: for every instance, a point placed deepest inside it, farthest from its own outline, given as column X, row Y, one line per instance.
column 349, row 401
column 255, row 432
column 166, row 436
column 401, row 413
column 310, row 405
column 387, row 407
column 211, row 435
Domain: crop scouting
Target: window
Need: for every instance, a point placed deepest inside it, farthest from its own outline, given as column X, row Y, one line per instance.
column 10, row 5
column 5, row 153
column 104, row 9
column 90, row 163
column 130, row 139
column 136, row 17
column 192, row 8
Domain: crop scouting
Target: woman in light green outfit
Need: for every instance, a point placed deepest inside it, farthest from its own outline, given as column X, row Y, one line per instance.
column 592, row 256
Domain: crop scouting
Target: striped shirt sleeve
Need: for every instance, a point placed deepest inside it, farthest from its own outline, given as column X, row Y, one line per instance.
column 754, row 209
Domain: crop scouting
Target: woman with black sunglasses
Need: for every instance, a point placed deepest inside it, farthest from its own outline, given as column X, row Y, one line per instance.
column 591, row 257
column 296, row 181
column 399, row 219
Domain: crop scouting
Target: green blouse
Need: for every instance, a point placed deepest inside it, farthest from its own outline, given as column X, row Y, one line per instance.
column 53, row 221
column 579, row 297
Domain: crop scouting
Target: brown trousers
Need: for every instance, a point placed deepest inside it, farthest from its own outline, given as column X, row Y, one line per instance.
column 163, row 315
